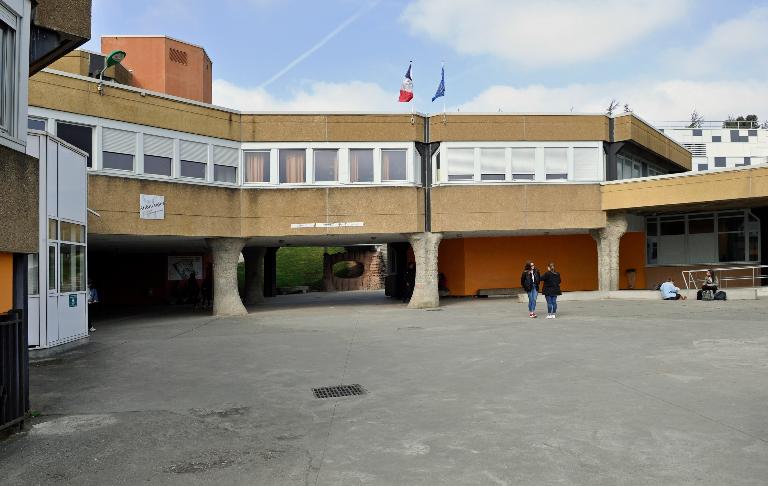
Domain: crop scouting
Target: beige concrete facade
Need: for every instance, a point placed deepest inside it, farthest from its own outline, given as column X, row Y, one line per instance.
column 204, row 211
column 19, row 197
column 518, row 207
column 742, row 186
column 633, row 129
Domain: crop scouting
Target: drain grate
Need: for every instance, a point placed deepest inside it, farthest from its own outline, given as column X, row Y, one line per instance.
column 338, row 391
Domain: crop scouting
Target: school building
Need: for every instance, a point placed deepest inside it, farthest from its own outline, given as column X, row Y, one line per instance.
column 176, row 185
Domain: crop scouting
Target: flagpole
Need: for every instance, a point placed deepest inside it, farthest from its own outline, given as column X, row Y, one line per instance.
column 413, row 101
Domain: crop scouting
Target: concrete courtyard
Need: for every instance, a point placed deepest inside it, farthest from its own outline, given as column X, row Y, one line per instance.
column 475, row 393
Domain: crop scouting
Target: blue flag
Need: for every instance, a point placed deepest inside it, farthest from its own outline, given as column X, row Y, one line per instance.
column 441, row 88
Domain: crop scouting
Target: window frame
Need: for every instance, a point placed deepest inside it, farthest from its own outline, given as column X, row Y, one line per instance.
column 11, row 79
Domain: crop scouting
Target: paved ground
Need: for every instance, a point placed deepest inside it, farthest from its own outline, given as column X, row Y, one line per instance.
column 611, row 393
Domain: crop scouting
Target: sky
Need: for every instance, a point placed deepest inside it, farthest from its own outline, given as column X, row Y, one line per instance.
column 664, row 58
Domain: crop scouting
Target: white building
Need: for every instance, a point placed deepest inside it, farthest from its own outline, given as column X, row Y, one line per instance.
column 720, row 144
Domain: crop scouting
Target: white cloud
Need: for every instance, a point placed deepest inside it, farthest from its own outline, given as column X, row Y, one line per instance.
column 319, row 96
column 731, row 49
column 654, row 101
column 542, row 32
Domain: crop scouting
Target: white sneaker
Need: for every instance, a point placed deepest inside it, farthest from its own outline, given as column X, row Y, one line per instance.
column 550, row 316
column 554, row 316
column 92, row 329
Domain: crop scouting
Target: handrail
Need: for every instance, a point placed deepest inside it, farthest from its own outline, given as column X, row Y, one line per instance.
column 690, row 278
column 726, row 124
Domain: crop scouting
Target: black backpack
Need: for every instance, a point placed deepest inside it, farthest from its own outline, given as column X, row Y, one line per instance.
column 720, row 295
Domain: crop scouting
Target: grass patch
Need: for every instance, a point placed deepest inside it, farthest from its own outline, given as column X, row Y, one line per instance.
column 296, row 266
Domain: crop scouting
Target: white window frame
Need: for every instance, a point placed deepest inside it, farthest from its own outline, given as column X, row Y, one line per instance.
column 14, row 68
column 539, row 175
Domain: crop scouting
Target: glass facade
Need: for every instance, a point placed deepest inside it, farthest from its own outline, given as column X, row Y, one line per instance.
column 705, row 238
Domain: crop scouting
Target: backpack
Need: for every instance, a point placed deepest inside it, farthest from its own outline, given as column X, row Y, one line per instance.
column 720, row 295
column 709, row 295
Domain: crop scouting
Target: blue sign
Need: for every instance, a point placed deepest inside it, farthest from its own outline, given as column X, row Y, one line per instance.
column 73, row 300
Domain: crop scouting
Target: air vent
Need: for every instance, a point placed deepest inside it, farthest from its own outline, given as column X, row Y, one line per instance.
column 338, row 391
column 177, row 56
column 696, row 149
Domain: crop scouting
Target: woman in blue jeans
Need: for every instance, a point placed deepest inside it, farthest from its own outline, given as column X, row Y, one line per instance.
column 530, row 280
column 551, row 289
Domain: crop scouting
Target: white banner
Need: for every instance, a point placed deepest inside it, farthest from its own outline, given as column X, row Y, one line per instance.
column 151, row 207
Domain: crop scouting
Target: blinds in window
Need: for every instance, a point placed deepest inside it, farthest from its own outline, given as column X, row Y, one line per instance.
column 119, row 141
column 225, row 156
column 586, row 162
column 158, row 146
column 193, row 151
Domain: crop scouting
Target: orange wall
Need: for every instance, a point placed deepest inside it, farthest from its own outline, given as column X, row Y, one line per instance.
column 6, row 282
column 145, row 56
column 632, row 255
column 149, row 60
column 471, row 264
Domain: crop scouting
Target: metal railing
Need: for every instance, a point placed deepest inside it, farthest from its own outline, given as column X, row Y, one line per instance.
column 734, row 124
column 754, row 274
column 14, row 369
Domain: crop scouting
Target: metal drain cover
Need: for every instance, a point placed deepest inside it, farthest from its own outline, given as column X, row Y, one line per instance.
column 338, row 391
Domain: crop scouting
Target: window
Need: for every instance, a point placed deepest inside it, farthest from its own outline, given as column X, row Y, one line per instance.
column 493, row 164
column 194, row 159
column 51, row 267
column 361, row 165
column 461, row 164
column 223, row 173
column 225, row 164
column 80, row 136
column 523, row 163
column 195, row 170
column 393, row 165
column 72, row 258
column 158, row 155
column 72, row 232
column 72, row 269
column 119, row 147
column 326, row 165
column 706, row 238
column 36, row 124
column 8, row 65
column 33, row 274
column 53, row 229
column 586, row 163
column 556, row 163
column 292, row 166
column 256, row 166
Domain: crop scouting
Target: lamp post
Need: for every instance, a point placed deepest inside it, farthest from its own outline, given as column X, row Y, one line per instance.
column 114, row 57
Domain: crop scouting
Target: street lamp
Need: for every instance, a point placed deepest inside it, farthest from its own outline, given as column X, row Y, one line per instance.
column 114, row 57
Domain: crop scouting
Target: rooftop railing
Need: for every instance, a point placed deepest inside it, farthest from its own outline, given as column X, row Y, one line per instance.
column 734, row 124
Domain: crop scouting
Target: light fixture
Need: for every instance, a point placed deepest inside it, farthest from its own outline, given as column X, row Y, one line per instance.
column 114, row 57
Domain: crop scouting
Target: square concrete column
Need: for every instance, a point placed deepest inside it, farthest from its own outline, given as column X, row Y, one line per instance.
column 425, row 249
column 608, row 240
column 226, row 297
column 254, row 275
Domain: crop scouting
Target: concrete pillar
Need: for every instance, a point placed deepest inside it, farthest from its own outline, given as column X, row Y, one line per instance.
column 608, row 239
column 425, row 249
column 254, row 275
column 226, row 298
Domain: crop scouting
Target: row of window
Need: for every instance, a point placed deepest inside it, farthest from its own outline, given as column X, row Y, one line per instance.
column 285, row 165
column 632, row 167
column 725, row 236
column 493, row 164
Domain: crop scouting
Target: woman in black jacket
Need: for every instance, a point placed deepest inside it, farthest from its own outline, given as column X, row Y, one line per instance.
column 551, row 290
column 530, row 280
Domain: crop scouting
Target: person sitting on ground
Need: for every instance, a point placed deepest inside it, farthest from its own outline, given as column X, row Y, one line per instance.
column 670, row 292
column 710, row 284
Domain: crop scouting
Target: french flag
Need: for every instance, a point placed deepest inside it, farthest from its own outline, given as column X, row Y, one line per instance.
column 406, row 89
